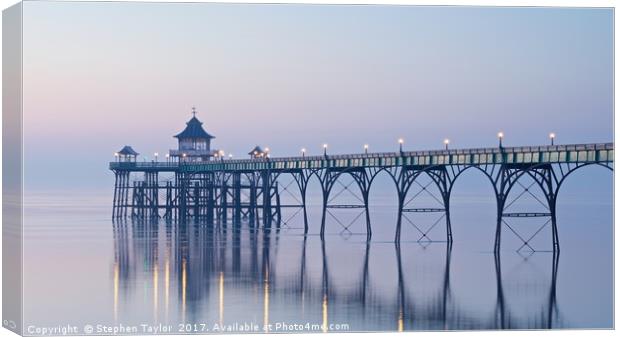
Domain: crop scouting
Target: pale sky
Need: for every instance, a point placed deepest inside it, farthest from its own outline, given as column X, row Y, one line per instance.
column 98, row 76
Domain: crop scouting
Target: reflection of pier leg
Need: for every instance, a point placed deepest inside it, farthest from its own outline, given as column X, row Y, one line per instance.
column 552, row 311
column 401, row 290
column 365, row 275
column 500, row 306
column 446, row 285
column 325, row 288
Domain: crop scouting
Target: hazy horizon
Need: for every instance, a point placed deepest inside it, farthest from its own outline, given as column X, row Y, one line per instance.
column 98, row 76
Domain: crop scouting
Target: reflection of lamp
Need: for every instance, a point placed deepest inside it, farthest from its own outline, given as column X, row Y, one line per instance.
column 552, row 137
column 500, row 136
column 446, row 142
column 366, row 148
column 400, row 144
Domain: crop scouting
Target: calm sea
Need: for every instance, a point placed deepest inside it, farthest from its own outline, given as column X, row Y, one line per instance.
column 82, row 269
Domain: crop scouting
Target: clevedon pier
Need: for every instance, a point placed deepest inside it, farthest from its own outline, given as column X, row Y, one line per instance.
column 197, row 184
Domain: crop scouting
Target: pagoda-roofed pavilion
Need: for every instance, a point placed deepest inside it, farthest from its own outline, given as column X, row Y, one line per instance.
column 257, row 152
column 194, row 142
column 127, row 154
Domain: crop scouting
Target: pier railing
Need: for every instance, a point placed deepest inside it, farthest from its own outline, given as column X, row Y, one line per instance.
column 576, row 153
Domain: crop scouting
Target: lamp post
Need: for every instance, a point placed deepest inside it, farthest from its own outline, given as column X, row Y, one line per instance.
column 446, row 142
column 365, row 148
column 500, row 136
column 230, row 156
column 325, row 150
column 156, row 155
column 167, row 157
column 303, row 152
column 116, row 156
column 400, row 144
column 552, row 137
column 184, row 156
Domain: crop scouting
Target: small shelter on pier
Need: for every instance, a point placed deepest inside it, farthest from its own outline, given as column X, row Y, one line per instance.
column 257, row 152
column 127, row 154
column 194, row 142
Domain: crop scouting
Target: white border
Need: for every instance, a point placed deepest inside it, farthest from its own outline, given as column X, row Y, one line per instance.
column 515, row 3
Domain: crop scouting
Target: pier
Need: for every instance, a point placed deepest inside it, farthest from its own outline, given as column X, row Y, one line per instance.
column 204, row 186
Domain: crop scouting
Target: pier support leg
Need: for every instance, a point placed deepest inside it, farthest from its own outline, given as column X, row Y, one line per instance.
column 365, row 195
column 237, row 198
column 399, row 219
column 253, row 202
column 278, row 212
column 210, row 190
column 324, row 213
column 266, row 193
column 544, row 177
column 115, row 200
column 224, row 201
column 448, row 221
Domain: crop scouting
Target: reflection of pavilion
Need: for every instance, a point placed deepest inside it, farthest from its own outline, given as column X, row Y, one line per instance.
column 201, row 265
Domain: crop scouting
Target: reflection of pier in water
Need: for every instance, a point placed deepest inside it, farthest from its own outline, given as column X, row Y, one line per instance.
column 194, row 267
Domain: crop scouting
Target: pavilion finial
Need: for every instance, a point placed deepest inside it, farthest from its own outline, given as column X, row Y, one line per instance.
column 194, row 111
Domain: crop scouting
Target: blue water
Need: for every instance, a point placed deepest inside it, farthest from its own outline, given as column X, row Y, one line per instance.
column 80, row 268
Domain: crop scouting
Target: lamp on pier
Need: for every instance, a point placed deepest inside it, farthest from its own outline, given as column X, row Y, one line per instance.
column 184, row 156
column 230, row 156
column 156, row 155
column 325, row 150
column 500, row 136
column 221, row 154
column 552, row 137
column 116, row 155
column 365, row 148
column 400, row 144
column 446, row 142
column 167, row 157
column 303, row 152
